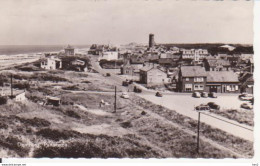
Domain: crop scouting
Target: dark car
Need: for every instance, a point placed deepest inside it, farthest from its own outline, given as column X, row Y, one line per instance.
column 158, row 94
column 213, row 94
column 137, row 90
column 108, row 74
column 213, row 105
column 125, row 83
column 131, row 81
column 202, row 107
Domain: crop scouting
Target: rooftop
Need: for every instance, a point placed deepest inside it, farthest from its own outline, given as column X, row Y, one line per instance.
column 217, row 62
column 222, row 76
column 193, row 71
column 69, row 47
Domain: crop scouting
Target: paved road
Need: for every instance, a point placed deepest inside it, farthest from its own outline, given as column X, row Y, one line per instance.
column 184, row 104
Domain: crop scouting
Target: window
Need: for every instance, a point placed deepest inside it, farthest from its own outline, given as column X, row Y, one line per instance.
column 198, row 87
column 187, row 79
column 232, row 88
column 188, row 87
column 198, row 79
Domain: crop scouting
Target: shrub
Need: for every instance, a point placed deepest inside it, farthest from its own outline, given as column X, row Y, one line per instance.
column 73, row 114
column 37, row 122
column 21, row 85
column 13, row 143
column 3, row 100
column 73, row 87
column 126, row 124
column 57, row 135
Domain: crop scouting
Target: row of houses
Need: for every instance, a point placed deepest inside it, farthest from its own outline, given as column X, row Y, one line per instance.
column 196, row 79
column 54, row 63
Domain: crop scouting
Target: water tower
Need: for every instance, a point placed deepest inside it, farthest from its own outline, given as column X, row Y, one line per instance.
column 151, row 40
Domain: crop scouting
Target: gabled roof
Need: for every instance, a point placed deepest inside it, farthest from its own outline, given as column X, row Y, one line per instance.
column 217, row 62
column 166, row 61
column 233, row 58
column 193, row 71
column 136, row 60
column 69, row 47
column 222, row 76
column 148, row 68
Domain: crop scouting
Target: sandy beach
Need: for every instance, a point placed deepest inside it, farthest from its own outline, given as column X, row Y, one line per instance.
column 12, row 60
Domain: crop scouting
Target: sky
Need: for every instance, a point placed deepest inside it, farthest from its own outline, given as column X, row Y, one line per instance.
column 47, row 22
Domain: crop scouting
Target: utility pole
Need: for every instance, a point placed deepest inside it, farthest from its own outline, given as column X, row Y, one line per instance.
column 115, row 101
column 11, row 85
column 198, row 133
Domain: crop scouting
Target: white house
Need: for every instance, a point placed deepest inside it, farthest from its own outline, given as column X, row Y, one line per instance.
column 18, row 95
column 195, row 54
column 109, row 55
column 51, row 63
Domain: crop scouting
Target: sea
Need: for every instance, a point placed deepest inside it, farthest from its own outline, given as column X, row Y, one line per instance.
column 30, row 49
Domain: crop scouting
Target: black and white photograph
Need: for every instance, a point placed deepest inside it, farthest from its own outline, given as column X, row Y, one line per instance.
column 127, row 79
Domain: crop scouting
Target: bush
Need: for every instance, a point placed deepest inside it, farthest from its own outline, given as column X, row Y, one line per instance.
column 36, row 122
column 3, row 100
column 21, row 85
column 126, row 124
column 13, row 143
column 47, row 77
column 73, row 87
column 57, row 135
column 73, row 114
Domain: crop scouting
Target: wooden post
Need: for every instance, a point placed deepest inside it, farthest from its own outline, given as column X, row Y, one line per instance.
column 11, row 85
column 198, row 133
column 115, row 101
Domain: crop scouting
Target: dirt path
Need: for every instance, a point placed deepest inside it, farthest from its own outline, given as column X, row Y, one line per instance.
column 156, row 116
column 93, row 111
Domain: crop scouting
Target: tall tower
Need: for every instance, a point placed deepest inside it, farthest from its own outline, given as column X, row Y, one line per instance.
column 151, row 40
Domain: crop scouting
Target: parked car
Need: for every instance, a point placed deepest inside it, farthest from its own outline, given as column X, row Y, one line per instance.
column 137, row 90
column 196, row 94
column 246, row 106
column 202, row 107
column 246, row 97
column 204, row 94
column 158, row 94
column 108, row 74
column 213, row 94
column 125, row 83
column 131, row 81
column 125, row 95
column 213, row 105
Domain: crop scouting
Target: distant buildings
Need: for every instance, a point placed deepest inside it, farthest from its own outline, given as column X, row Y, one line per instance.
column 192, row 78
column 99, row 49
column 194, row 54
column 69, row 50
column 152, row 75
column 109, row 55
column 222, row 82
column 217, row 65
column 196, row 79
column 51, row 63
column 16, row 95
column 247, row 83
